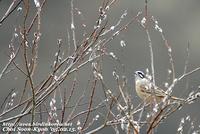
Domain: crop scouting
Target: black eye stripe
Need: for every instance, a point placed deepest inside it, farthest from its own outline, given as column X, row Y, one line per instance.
column 140, row 74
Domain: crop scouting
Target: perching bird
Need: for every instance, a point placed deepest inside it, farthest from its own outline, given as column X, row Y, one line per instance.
column 143, row 87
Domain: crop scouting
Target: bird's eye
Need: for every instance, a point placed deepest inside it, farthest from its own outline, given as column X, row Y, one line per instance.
column 141, row 74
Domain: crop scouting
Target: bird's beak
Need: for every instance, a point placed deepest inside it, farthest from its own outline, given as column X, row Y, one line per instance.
column 135, row 73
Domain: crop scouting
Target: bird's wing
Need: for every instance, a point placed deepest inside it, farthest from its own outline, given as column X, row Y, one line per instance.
column 158, row 91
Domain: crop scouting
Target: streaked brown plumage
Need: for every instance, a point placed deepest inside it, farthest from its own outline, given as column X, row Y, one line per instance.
column 144, row 90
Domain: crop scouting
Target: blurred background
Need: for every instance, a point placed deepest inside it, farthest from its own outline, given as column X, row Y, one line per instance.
column 179, row 20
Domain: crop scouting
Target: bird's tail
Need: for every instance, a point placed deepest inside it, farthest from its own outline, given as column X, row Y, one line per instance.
column 178, row 99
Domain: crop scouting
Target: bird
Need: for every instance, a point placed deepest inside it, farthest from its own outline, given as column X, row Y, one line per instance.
column 148, row 92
